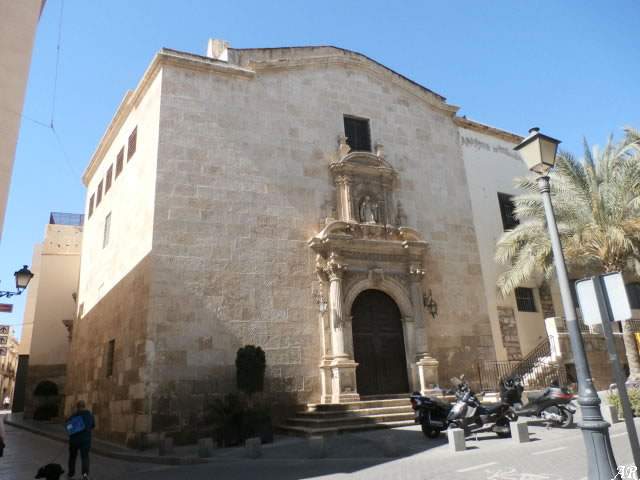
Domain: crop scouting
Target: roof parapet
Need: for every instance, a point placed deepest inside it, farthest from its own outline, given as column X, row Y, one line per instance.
column 218, row 49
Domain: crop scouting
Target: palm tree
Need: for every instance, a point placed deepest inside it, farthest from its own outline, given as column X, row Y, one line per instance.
column 597, row 206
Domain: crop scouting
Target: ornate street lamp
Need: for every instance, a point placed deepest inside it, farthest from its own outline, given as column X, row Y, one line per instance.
column 23, row 277
column 539, row 153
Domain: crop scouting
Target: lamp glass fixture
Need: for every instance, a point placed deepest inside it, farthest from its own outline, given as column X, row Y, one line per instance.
column 538, row 151
column 23, row 277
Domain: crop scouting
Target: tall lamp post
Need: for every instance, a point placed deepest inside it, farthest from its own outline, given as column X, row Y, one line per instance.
column 539, row 153
column 23, row 277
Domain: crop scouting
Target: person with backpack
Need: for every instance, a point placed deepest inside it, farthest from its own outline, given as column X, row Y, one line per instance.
column 79, row 427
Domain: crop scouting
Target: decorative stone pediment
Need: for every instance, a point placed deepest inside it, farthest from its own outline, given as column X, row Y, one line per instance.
column 364, row 183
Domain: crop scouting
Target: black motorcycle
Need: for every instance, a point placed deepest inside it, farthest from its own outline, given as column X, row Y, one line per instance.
column 435, row 415
column 553, row 405
column 431, row 414
column 473, row 417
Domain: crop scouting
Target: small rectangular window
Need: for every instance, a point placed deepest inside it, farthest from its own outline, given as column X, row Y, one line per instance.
column 99, row 194
column 633, row 292
column 107, row 230
column 131, row 147
column 358, row 133
column 91, row 205
column 111, row 350
column 119, row 162
column 107, row 180
column 507, row 211
column 525, row 299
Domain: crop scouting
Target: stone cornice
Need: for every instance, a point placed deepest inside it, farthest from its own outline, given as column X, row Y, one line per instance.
column 132, row 98
column 361, row 62
column 487, row 130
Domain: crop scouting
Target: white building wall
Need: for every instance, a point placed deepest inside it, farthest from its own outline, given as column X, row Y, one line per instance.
column 57, row 273
column 130, row 201
column 18, row 22
column 492, row 166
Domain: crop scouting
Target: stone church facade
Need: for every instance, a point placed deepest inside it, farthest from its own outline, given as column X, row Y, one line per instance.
column 307, row 200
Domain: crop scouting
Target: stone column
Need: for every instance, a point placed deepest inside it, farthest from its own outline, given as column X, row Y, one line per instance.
column 427, row 367
column 335, row 271
column 344, row 194
column 409, row 331
column 343, row 381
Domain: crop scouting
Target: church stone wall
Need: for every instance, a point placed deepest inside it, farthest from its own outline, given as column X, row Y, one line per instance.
column 243, row 183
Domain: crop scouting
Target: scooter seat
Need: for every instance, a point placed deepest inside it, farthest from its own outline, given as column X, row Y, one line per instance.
column 532, row 397
column 490, row 409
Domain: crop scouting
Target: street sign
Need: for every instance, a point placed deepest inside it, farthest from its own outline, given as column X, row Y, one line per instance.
column 616, row 293
column 6, row 307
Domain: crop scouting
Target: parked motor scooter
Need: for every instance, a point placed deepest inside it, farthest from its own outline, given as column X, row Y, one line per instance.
column 473, row 417
column 431, row 414
column 553, row 405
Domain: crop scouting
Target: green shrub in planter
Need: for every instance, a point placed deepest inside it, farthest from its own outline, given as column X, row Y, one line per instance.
column 634, row 399
column 250, row 367
column 227, row 417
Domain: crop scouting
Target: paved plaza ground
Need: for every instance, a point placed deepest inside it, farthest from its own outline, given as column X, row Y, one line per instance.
column 551, row 455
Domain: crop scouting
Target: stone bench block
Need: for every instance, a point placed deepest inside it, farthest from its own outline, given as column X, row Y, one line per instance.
column 317, row 447
column 253, row 448
column 456, row 439
column 165, row 447
column 205, row 447
column 519, row 432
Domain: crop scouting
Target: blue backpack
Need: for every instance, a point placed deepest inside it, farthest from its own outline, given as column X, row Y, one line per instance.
column 75, row 425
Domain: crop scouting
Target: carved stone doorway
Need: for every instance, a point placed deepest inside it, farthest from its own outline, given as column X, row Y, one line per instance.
column 378, row 344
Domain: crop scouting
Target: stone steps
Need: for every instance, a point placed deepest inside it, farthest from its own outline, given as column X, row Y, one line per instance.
column 344, row 421
column 337, row 429
column 354, row 413
column 384, row 411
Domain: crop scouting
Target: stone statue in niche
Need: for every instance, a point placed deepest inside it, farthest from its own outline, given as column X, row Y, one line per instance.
column 369, row 210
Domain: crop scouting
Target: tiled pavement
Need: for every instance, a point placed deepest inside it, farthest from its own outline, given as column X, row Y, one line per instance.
column 551, row 455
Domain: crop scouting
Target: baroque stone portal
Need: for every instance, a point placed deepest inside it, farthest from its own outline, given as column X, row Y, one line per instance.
column 367, row 249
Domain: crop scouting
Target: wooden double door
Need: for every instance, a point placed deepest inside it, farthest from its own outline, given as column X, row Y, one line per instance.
column 378, row 344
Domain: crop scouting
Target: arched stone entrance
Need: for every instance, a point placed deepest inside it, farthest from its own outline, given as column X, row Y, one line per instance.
column 378, row 344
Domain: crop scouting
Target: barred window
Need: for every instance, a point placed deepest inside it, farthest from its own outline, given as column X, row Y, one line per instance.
column 111, row 350
column 107, row 230
column 358, row 133
column 633, row 292
column 99, row 194
column 119, row 162
column 507, row 211
column 525, row 299
column 131, row 147
column 108, row 179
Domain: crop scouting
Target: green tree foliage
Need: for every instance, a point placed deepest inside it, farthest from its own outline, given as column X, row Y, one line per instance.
column 597, row 205
column 250, row 368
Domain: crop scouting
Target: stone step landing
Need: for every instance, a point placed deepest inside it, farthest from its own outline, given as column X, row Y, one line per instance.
column 370, row 413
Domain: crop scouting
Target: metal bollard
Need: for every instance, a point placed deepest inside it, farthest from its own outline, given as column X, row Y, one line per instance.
column 456, row 439
column 205, row 447
column 253, row 447
column 316, row 447
column 519, row 432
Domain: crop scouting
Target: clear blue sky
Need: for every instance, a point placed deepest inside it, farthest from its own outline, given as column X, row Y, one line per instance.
column 570, row 67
